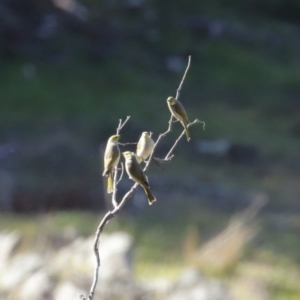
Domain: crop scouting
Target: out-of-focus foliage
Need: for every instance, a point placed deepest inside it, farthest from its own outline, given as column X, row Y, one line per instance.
column 70, row 70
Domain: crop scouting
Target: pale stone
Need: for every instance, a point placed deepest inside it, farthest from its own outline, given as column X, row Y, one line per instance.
column 8, row 243
column 79, row 258
column 67, row 290
column 37, row 287
column 193, row 286
column 19, row 268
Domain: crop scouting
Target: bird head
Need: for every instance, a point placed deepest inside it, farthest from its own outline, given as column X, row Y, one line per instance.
column 114, row 138
column 145, row 134
column 127, row 154
column 171, row 100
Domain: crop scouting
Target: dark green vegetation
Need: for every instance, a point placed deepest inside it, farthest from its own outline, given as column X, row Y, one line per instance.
column 244, row 78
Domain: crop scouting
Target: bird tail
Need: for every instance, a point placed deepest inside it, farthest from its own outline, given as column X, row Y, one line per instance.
column 187, row 133
column 150, row 196
column 110, row 184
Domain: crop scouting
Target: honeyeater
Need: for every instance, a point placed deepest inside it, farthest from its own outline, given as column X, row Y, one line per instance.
column 178, row 111
column 144, row 147
column 135, row 172
column 111, row 160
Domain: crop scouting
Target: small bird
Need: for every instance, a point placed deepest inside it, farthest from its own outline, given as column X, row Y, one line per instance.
column 135, row 172
column 144, row 147
column 111, row 160
column 178, row 111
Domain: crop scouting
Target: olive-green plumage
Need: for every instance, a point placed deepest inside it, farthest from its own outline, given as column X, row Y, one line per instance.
column 135, row 172
column 178, row 111
column 144, row 147
column 111, row 160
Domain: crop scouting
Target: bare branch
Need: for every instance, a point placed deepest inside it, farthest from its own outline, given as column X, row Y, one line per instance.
column 169, row 156
column 162, row 160
column 121, row 125
column 117, row 207
column 122, row 173
column 125, row 144
column 114, row 193
column 115, row 182
column 177, row 96
column 109, row 215
column 183, row 78
column 169, row 127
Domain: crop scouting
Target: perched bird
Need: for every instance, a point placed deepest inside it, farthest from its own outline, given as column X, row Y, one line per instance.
column 135, row 172
column 144, row 147
column 178, row 111
column 111, row 160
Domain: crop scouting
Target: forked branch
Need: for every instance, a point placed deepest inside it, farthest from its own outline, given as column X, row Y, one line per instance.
column 117, row 207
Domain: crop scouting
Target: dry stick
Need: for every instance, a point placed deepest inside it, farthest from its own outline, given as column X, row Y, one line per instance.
column 122, row 173
column 169, row 156
column 100, row 228
column 183, row 78
column 109, row 215
column 114, row 193
column 121, row 125
column 105, row 220
column 116, row 181
column 125, row 144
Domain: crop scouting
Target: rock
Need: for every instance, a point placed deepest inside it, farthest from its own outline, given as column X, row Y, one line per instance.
column 76, row 263
column 19, row 268
column 78, row 258
column 37, row 287
column 74, row 260
column 189, row 278
column 9, row 241
column 193, row 286
column 116, row 256
column 250, row 288
column 159, row 285
column 67, row 290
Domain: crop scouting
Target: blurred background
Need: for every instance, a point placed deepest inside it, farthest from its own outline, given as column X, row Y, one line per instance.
column 226, row 223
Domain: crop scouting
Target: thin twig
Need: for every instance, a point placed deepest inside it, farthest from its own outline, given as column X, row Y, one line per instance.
column 169, row 127
column 114, row 193
column 121, row 125
column 125, row 144
column 116, row 181
column 168, row 156
column 183, row 78
column 122, row 173
column 162, row 160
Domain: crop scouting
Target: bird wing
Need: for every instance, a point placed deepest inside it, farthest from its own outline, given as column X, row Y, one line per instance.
column 179, row 109
column 138, row 174
column 112, row 153
column 139, row 146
